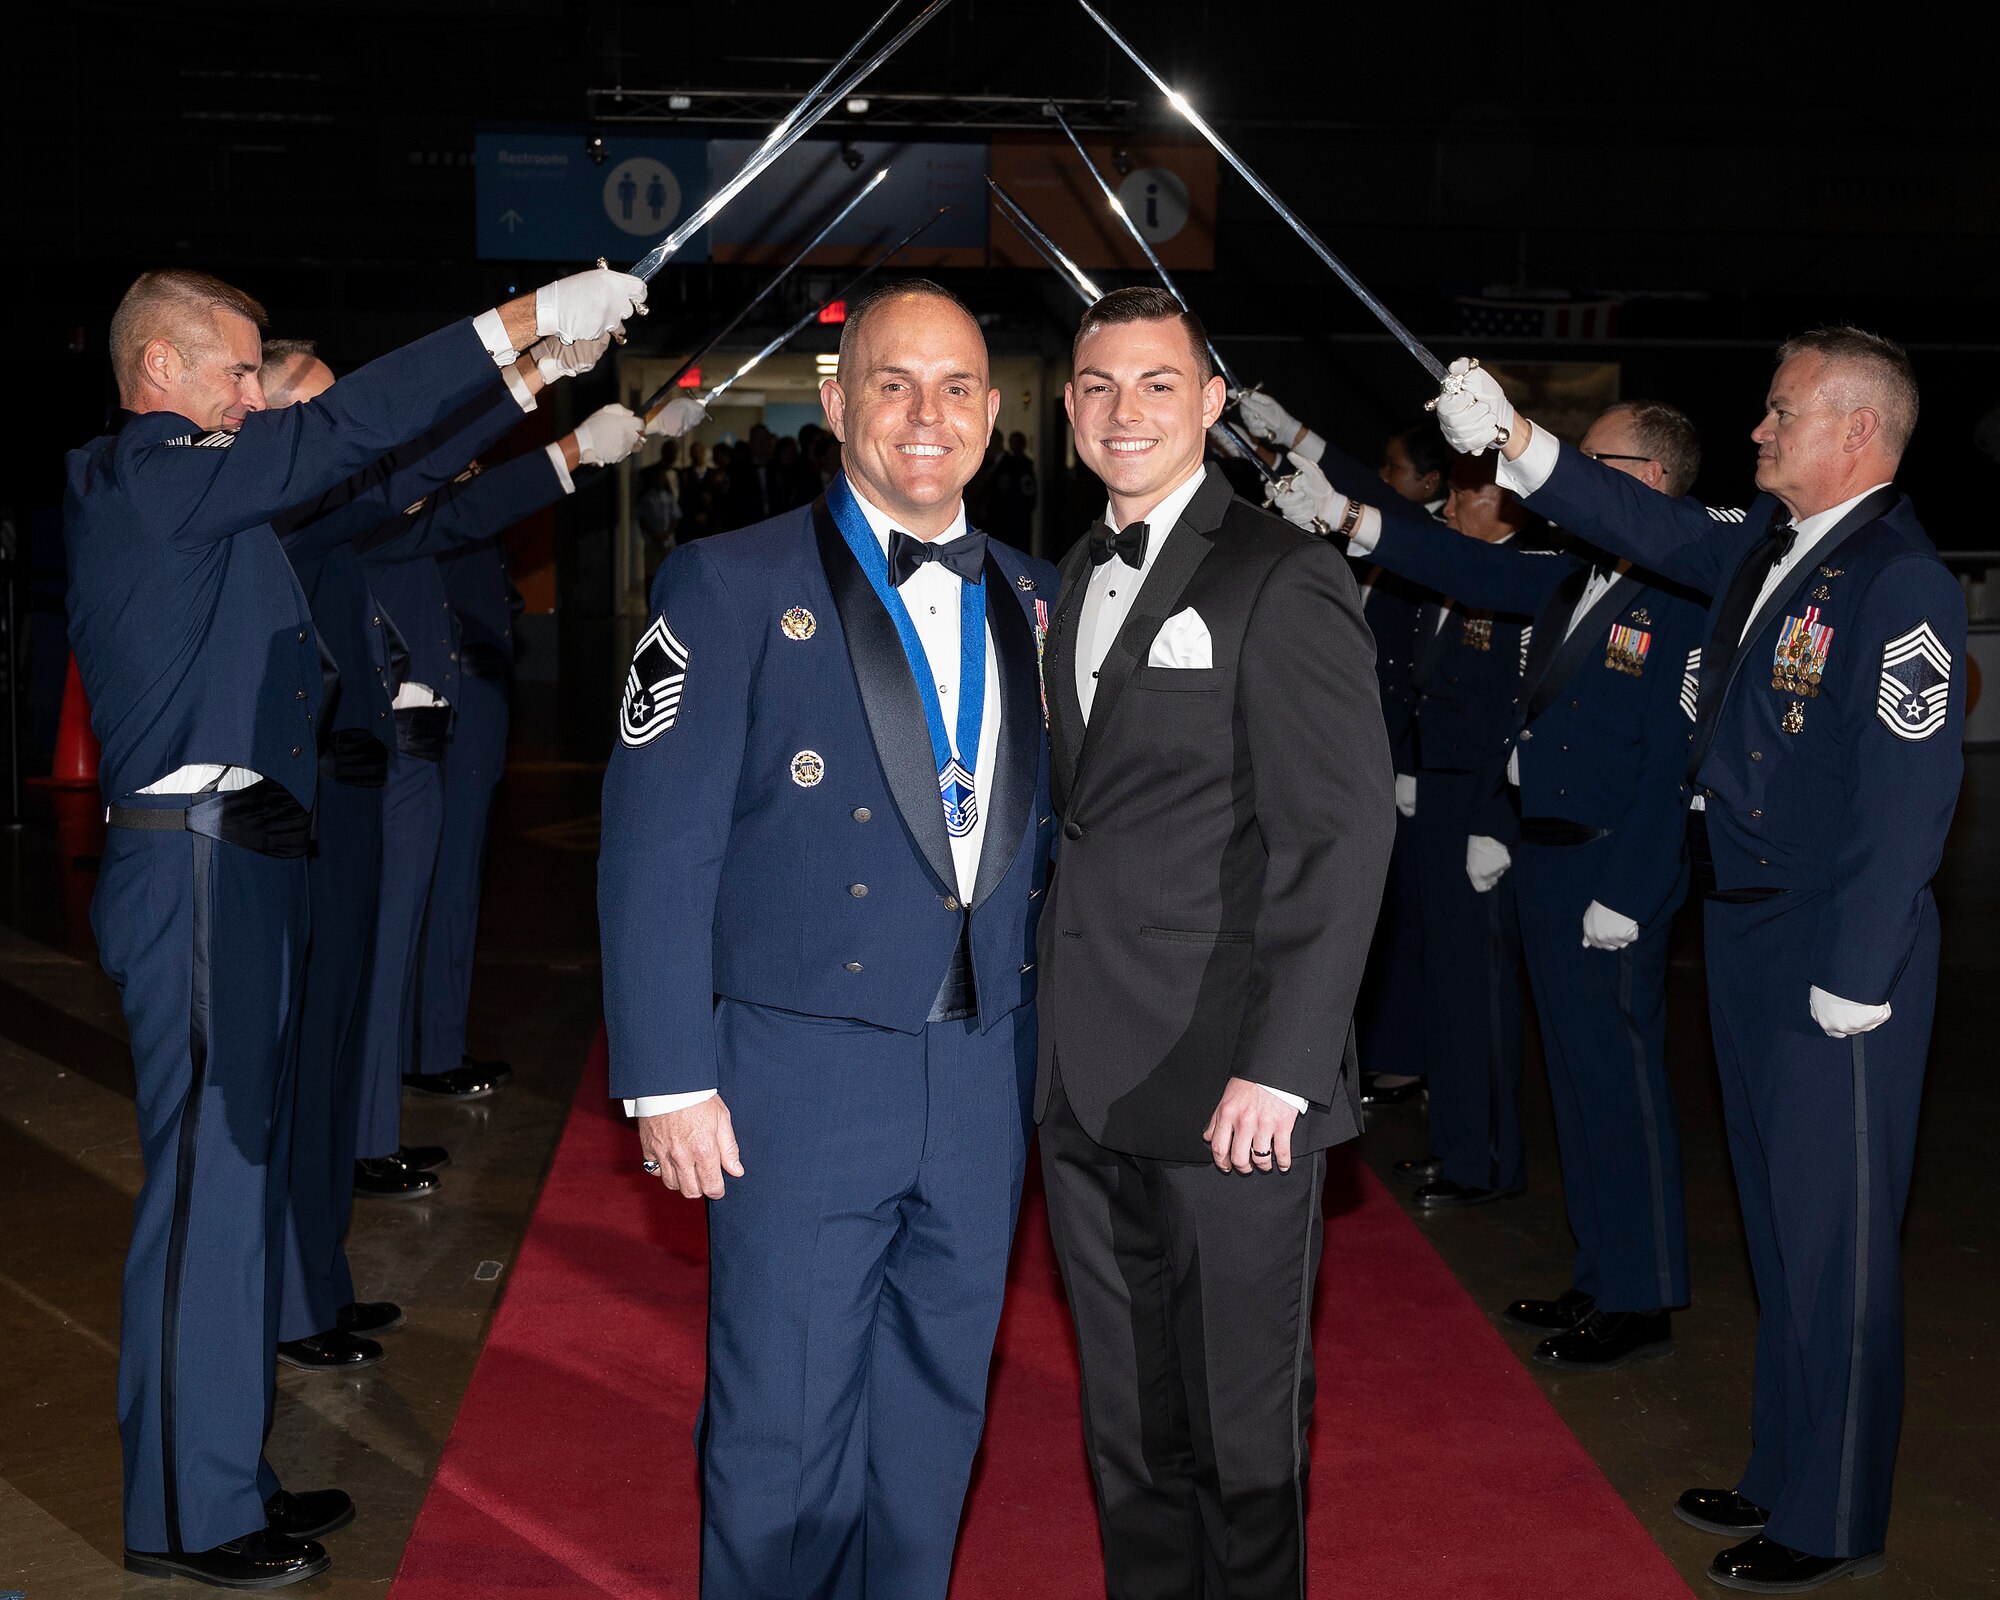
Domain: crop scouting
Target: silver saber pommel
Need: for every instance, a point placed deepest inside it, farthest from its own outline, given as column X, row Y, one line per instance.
column 1454, row 383
column 800, row 121
column 1306, row 236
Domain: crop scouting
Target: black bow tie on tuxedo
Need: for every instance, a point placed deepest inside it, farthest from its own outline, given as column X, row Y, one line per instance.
column 965, row 555
column 1784, row 533
column 1129, row 545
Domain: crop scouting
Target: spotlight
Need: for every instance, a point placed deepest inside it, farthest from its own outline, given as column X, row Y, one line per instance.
column 1121, row 158
column 594, row 148
column 680, row 102
column 851, row 156
column 857, row 106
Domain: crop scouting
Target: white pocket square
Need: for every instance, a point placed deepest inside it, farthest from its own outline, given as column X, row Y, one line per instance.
column 1182, row 641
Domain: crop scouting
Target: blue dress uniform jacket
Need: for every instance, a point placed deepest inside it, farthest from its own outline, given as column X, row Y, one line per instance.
column 1602, row 752
column 780, row 910
column 1829, row 763
column 834, row 898
column 193, row 639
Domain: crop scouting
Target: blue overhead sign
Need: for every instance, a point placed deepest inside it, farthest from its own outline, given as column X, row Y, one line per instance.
column 541, row 197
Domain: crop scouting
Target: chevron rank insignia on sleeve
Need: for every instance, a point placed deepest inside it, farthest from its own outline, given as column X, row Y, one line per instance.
column 1916, row 684
column 653, row 685
column 1725, row 513
column 1691, row 683
column 220, row 439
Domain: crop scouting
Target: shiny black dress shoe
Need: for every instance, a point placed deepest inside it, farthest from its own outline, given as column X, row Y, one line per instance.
column 1763, row 1566
column 1722, row 1511
column 456, row 1083
column 1421, row 1171
column 1441, row 1194
column 1375, row 1095
column 499, row 1071
column 260, row 1560
column 423, row 1157
column 370, row 1316
column 332, row 1351
column 1607, row 1339
column 386, row 1178
column 1551, row 1316
column 310, row 1514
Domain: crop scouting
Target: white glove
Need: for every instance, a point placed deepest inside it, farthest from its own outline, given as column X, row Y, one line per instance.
column 1605, row 929
column 588, row 305
column 558, row 360
column 1472, row 411
column 1268, row 420
column 1841, row 1019
column 1304, row 497
column 608, row 435
column 1486, row 862
column 1406, row 793
column 676, row 417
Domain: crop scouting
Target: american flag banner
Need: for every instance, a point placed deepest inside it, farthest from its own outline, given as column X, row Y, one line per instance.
column 1490, row 317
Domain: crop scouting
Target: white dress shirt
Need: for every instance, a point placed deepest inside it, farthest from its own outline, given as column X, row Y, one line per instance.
column 931, row 595
column 1806, row 546
column 1107, row 602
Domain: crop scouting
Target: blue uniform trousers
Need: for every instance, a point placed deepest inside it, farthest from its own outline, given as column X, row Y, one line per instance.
column 1822, row 1134
column 855, row 1279
column 206, row 942
column 1604, row 1030
column 1472, row 995
column 344, row 871
column 1389, row 1030
column 412, row 815
column 472, row 769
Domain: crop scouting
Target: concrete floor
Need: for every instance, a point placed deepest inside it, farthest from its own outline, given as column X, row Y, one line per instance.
column 69, row 1168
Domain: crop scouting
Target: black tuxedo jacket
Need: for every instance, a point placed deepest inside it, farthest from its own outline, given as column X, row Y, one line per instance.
column 1225, row 832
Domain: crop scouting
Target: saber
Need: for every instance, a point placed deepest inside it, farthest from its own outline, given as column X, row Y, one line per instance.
column 1307, row 237
column 797, row 124
column 841, row 293
column 664, row 393
column 1051, row 252
column 813, row 94
column 1138, row 236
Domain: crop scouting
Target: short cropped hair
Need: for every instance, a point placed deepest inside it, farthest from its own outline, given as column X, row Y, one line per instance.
column 279, row 356
column 1666, row 435
column 1424, row 445
column 1870, row 371
column 1141, row 303
column 850, row 330
column 174, row 304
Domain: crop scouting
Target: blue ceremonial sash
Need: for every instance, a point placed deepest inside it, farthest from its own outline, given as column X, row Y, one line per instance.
column 956, row 764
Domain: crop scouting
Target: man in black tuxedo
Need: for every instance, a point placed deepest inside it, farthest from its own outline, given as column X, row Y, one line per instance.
column 1223, row 783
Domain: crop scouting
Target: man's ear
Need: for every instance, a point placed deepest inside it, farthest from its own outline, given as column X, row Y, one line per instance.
column 833, row 401
column 1214, row 396
column 1863, row 424
column 160, row 363
column 1069, row 402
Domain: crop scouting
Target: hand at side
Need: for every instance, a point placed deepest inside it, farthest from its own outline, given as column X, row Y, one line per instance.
column 694, row 1147
column 1251, row 1130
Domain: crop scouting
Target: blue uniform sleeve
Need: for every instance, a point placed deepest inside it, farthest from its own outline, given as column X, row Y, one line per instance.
column 1645, row 860
column 1904, row 701
column 669, row 807
column 1488, row 577
column 389, row 486
column 288, row 457
column 1351, row 477
column 1679, row 538
column 464, row 513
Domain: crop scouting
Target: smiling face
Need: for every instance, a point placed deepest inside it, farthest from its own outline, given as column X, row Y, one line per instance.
column 913, row 409
column 1141, row 410
column 208, row 375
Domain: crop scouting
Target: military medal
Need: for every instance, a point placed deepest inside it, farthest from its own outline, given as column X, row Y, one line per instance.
column 807, row 768
column 1795, row 717
column 798, row 623
column 1477, row 633
column 1626, row 649
column 1800, row 659
column 1041, row 638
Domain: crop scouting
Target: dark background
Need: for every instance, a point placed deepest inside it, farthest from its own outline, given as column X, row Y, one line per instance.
column 1737, row 174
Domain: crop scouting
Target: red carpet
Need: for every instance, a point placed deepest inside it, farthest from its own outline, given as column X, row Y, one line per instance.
column 570, row 1471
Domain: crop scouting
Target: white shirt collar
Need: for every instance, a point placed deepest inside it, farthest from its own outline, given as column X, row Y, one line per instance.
column 880, row 523
column 1162, row 519
column 1822, row 522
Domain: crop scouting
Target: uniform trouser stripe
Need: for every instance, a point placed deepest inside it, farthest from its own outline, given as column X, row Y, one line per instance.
column 184, row 1157
column 1843, row 1511
column 1656, row 1180
column 1301, row 1351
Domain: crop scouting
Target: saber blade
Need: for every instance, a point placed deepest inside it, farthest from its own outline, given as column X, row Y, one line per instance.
column 812, row 316
column 1138, row 236
column 661, row 395
column 802, row 119
column 1307, row 237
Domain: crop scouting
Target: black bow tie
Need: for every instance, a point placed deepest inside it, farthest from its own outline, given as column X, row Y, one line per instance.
column 965, row 555
column 1130, row 544
column 1784, row 533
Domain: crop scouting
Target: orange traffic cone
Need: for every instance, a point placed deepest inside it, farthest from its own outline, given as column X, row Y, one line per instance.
column 76, row 746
